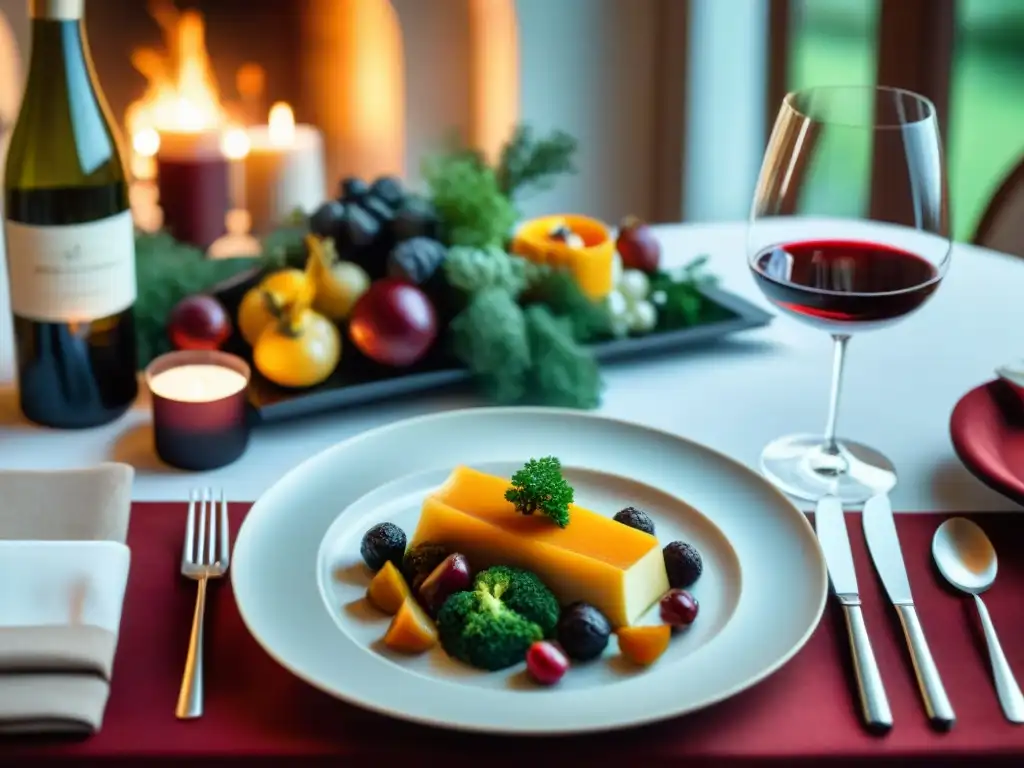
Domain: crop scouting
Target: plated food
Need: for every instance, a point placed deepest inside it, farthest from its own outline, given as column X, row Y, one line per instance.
column 300, row 581
column 502, row 571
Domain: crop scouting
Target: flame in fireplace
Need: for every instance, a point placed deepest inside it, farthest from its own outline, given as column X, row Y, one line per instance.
column 181, row 94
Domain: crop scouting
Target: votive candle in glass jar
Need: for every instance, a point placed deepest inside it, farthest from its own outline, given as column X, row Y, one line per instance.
column 200, row 408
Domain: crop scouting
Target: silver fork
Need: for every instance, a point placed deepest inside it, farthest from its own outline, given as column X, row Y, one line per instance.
column 205, row 556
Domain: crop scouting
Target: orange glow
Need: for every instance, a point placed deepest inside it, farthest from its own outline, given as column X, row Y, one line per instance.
column 356, row 85
column 494, row 74
column 146, row 142
column 235, row 144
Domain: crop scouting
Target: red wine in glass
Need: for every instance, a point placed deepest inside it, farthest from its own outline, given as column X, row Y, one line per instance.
column 844, row 285
column 849, row 231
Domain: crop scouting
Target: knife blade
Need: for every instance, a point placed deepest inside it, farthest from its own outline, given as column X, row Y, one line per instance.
column 835, row 544
column 884, row 546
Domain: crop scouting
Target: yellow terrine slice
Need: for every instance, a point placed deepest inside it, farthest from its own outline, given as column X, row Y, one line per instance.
column 618, row 569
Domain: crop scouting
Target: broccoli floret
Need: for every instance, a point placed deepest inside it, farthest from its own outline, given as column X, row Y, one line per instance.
column 478, row 628
column 540, row 487
column 524, row 593
column 473, row 270
column 452, row 620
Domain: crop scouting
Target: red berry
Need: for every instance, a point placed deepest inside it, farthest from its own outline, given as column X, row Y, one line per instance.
column 198, row 322
column 546, row 663
column 638, row 246
column 678, row 608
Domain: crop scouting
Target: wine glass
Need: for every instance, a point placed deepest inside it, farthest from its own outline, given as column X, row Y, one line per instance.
column 849, row 231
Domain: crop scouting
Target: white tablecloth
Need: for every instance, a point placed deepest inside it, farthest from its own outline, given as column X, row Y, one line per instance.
column 901, row 385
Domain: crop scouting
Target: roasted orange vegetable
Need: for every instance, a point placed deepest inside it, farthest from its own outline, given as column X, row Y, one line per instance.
column 388, row 589
column 644, row 645
column 411, row 630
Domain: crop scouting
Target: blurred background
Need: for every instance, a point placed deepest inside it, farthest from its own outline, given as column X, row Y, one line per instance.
column 671, row 100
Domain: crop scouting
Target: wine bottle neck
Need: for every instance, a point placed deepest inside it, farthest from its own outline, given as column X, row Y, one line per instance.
column 56, row 10
column 56, row 45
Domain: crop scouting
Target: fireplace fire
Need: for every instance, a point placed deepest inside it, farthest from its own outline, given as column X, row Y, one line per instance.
column 351, row 77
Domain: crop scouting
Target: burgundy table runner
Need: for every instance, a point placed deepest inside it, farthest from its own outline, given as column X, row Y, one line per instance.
column 803, row 715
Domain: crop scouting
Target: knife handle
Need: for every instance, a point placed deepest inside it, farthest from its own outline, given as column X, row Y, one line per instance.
column 873, row 701
column 936, row 702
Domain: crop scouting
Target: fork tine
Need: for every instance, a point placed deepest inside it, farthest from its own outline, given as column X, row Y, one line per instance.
column 211, row 551
column 225, row 548
column 201, row 539
column 190, row 528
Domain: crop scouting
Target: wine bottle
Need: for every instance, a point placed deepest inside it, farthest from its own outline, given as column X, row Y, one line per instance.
column 69, row 235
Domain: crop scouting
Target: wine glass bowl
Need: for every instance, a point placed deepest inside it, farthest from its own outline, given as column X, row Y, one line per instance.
column 849, row 232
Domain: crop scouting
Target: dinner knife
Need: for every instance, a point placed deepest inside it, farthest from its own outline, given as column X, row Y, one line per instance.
column 884, row 546
column 835, row 544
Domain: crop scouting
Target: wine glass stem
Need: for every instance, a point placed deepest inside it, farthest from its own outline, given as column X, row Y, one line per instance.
column 831, row 447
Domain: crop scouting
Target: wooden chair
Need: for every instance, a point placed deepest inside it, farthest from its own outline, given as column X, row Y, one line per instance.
column 1002, row 226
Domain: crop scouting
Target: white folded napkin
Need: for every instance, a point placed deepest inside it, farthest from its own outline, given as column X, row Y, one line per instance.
column 63, row 572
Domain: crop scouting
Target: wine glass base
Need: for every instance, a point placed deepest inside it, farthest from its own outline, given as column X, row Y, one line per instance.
column 799, row 465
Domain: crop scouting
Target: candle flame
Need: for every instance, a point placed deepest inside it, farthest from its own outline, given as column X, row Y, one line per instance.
column 181, row 93
column 282, row 125
column 146, row 142
column 235, row 144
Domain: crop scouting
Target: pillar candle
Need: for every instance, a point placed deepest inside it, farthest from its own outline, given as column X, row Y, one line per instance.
column 193, row 177
column 284, row 170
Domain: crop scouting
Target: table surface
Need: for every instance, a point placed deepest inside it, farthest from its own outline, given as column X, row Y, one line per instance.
column 900, row 387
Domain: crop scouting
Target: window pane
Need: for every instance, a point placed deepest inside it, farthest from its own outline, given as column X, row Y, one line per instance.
column 986, row 121
column 835, row 42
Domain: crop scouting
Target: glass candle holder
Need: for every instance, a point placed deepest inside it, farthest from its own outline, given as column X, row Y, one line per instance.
column 200, row 408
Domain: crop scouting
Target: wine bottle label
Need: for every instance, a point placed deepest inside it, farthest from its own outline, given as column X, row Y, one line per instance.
column 72, row 273
column 56, row 10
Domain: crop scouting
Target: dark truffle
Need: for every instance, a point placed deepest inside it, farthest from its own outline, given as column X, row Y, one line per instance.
column 683, row 564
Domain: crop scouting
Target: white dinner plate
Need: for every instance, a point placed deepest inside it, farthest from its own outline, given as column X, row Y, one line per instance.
column 299, row 581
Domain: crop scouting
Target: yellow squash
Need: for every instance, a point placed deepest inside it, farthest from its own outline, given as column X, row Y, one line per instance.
column 265, row 303
column 291, row 286
column 337, row 284
column 301, row 350
column 256, row 312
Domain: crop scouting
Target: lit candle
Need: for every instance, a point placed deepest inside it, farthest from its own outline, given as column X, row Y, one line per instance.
column 200, row 408
column 143, row 193
column 284, row 169
column 145, row 145
column 194, row 178
column 197, row 383
column 235, row 145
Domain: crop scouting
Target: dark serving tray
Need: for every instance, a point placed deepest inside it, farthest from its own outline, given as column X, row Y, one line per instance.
column 359, row 381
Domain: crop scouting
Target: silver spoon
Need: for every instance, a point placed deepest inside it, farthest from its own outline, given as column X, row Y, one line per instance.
column 967, row 559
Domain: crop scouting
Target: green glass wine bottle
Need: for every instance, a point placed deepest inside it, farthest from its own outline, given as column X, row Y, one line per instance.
column 69, row 235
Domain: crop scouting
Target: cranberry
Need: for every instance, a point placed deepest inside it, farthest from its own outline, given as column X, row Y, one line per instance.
column 678, row 608
column 546, row 663
column 637, row 246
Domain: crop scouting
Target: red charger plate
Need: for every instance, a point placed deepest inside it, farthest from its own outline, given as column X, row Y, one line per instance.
column 987, row 429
